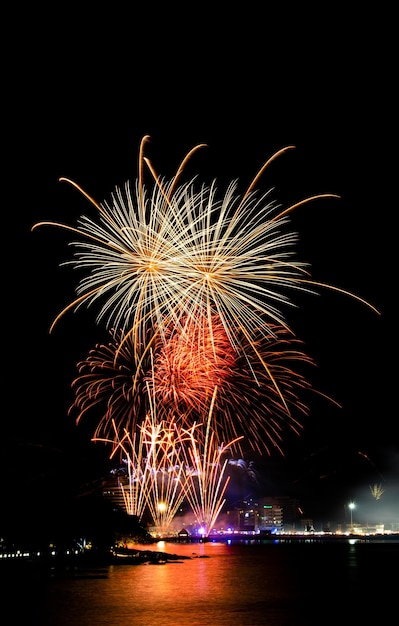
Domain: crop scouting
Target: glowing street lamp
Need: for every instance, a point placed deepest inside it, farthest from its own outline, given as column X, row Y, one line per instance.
column 351, row 507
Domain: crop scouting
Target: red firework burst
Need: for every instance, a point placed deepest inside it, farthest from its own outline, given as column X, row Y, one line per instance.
column 110, row 384
column 194, row 359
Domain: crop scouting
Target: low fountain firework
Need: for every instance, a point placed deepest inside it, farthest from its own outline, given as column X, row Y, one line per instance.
column 167, row 465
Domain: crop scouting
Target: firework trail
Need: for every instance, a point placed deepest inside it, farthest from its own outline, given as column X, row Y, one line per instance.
column 365, row 456
column 166, row 487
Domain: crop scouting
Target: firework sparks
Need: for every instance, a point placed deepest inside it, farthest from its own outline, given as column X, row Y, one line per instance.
column 165, row 489
column 259, row 396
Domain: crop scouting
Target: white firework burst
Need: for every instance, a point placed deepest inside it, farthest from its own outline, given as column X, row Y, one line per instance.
column 175, row 251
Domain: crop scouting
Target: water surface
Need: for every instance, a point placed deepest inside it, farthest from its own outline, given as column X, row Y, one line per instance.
column 249, row 584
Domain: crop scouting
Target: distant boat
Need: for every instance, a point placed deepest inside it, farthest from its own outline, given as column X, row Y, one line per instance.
column 128, row 555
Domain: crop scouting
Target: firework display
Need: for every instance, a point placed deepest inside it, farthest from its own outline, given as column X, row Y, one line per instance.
column 191, row 286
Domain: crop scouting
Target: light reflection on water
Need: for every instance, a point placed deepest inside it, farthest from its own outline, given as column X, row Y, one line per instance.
column 246, row 584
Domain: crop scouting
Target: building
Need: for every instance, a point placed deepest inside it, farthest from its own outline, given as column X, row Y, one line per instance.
column 267, row 515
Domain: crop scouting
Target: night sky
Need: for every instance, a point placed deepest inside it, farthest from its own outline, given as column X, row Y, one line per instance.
column 80, row 97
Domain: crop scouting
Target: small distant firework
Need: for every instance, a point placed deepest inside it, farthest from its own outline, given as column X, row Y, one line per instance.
column 376, row 491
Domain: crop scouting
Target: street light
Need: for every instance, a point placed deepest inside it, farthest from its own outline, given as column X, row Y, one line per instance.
column 351, row 507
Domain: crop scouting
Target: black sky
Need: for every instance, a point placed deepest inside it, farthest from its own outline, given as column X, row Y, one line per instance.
column 81, row 93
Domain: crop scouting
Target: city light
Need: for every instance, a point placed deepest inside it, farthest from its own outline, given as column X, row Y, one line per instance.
column 351, row 507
